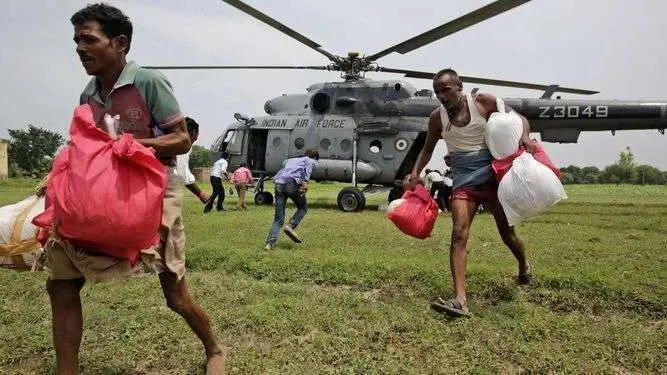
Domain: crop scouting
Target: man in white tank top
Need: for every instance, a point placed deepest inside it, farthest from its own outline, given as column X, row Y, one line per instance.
column 460, row 121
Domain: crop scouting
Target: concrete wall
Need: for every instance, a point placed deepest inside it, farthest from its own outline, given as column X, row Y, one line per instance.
column 3, row 159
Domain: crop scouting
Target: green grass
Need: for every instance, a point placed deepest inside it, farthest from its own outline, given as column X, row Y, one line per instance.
column 353, row 298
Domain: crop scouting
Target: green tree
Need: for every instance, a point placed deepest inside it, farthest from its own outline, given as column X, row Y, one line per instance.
column 590, row 175
column 31, row 151
column 626, row 162
column 649, row 175
column 571, row 174
column 200, row 157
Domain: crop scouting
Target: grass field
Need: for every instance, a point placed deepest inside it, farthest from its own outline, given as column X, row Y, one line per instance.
column 353, row 298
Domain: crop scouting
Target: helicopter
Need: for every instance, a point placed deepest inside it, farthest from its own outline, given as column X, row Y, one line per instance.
column 371, row 131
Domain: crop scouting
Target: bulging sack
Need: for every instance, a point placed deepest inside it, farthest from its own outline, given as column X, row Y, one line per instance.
column 503, row 132
column 502, row 166
column 105, row 195
column 416, row 214
column 528, row 189
column 19, row 248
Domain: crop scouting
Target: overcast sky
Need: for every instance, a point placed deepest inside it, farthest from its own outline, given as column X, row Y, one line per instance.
column 616, row 47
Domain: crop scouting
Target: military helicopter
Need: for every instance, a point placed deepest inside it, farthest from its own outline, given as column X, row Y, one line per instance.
column 372, row 131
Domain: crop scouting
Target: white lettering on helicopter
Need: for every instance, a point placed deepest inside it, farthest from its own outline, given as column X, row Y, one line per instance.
column 331, row 123
column 273, row 123
column 574, row 111
column 303, row 123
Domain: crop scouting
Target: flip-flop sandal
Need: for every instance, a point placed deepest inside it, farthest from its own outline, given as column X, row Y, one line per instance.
column 526, row 280
column 450, row 307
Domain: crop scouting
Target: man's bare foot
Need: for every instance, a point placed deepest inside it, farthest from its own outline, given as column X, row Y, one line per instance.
column 215, row 364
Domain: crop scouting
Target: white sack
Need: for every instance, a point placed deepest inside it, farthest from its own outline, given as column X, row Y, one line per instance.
column 528, row 189
column 503, row 132
column 8, row 216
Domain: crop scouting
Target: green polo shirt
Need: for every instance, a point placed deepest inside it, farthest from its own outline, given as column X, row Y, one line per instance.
column 142, row 98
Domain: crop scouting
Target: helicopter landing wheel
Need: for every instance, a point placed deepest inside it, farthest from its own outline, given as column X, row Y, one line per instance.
column 351, row 199
column 395, row 193
column 263, row 198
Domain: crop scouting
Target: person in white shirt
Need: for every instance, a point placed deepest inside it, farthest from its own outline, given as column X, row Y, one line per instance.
column 183, row 163
column 218, row 171
column 440, row 189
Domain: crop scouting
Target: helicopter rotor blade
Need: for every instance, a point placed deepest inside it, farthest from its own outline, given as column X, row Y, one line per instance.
column 458, row 24
column 192, row 67
column 240, row 5
column 489, row 81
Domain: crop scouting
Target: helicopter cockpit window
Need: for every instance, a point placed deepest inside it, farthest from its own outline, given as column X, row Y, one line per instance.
column 224, row 142
column 321, row 102
column 233, row 141
column 299, row 143
column 375, row 147
column 228, row 137
column 325, row 144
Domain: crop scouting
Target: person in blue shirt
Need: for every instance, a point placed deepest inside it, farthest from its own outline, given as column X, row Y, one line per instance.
column 291, row 182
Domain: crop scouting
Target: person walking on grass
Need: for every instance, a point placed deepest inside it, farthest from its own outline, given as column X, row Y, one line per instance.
column 461, row 121
column 291, row 182
column 241, row 178
column 145, row 103
column 183, row 163
column 218, row 172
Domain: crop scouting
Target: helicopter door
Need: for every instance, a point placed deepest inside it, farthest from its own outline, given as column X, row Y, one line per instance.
column 257, row 149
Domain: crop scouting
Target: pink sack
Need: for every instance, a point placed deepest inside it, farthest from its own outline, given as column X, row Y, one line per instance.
column 416, row 216
column 502, row 166
column 106, row 195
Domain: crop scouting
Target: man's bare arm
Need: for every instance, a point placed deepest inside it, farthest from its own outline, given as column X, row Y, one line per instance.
column 175, row 141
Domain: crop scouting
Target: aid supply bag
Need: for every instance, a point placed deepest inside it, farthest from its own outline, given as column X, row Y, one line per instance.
column 501, row 166
column 19, row 248
column 104, row 195
column 416, row 214
column 528, row 189
column 503, row 132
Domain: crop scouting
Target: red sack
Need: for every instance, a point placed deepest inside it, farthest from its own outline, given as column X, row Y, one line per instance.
column 416, row 216
column 106, row 195
column 502, row 166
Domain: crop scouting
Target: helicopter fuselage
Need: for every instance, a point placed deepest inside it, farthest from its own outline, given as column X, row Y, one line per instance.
column 381, row 126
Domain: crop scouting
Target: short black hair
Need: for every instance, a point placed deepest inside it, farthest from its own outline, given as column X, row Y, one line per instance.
column 192, row 125
column 113, row 21
column 312, row 153
column 224, row 155
column 442, row 72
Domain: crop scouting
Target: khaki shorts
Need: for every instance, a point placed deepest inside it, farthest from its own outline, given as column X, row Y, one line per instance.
column 67, row 262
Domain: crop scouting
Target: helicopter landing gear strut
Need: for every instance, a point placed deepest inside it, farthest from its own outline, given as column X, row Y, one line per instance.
column 351, row 199
column 262, row 197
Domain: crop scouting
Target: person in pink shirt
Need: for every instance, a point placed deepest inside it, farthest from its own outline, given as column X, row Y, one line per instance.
column 241, row 178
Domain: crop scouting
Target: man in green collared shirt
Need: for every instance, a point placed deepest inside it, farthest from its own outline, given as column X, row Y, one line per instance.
column 144, row 105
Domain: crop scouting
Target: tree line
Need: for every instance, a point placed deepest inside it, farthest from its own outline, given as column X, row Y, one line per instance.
column 624, row 171
column 31, row 152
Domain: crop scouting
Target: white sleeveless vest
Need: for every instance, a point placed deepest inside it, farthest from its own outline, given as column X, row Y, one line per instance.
column 464, row 138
